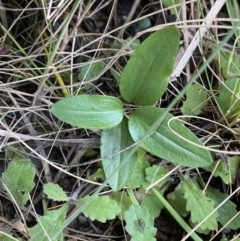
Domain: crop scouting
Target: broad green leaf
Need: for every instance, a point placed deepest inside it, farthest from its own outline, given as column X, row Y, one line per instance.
column 101, row 208
column 195, row 101
column 90, row 71
column 18, row 179
column 163, row 142
column 227, row 172
column 50, row 224
column 112, row 142
column 140, row 224
column 55, row 192
column 154, row 173
column 146, row 75
column 227, row 211
column 89, row 111
column 200, row 206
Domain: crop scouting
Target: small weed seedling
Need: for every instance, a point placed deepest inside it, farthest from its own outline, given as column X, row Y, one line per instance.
column 126, row 137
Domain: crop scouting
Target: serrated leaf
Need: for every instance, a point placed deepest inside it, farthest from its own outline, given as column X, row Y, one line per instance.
column 51, row 223
column 123, row 200
column 150, row 201
column 18, row 179
column 200, row 206
column 139, row 224
column 146, row 75
column 227, row 211
column 196, row 97
column 227, row 172
column 177, row 200
column 55, row 192
column 154, row 173
column 163, row 142
column 89, row 111
column 112, row 142
column 101, row 208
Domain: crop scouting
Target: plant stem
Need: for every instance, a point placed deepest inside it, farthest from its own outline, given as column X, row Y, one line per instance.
column 132, row 197
column 175, row 215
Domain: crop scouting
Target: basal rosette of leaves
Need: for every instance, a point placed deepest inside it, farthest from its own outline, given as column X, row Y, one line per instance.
column 143, row 82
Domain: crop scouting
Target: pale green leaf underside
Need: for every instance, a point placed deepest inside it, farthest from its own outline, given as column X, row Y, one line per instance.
column 146, row 75
column 55, row 192
column 18, row 179
column 89, row 111
column 112, row 142
column 139, row 224
column 163, row 142
column 101, row 208
column 200, row 206
column 52, row 222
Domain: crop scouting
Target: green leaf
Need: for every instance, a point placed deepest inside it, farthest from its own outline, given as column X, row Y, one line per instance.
column 171, row 3
column 90, row 71
column 139, row 177
column 55, row 192
column 89, row 111
column 200, row 206
column 229, row 63
column 146, row 75
column 112, row 142
column 50, row 224
column 144, row 23
column 18, row 179
column 195, row 101
column 139, row 224
column 154, row 173
column 150, row 201
column 228, row 99
column 99, row 174
column 163, row 142
column 227, row 211
column 227, row 172
column 100, row 208
column 177, row 200
column 123, row 201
